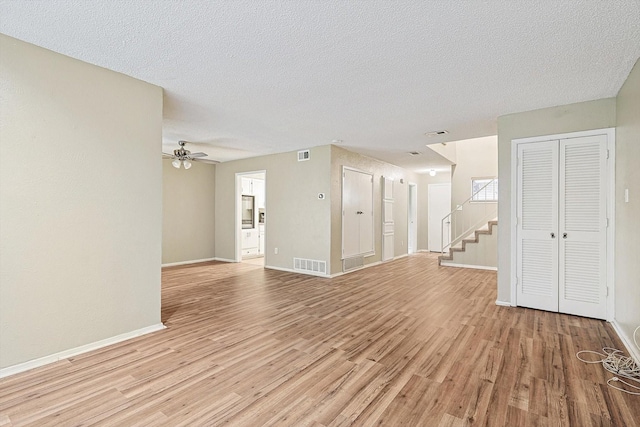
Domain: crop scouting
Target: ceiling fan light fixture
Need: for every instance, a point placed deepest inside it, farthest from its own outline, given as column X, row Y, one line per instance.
column 186, row 163
column 176, row 163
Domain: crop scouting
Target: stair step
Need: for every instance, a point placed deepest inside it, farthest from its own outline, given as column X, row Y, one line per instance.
column 461, row 246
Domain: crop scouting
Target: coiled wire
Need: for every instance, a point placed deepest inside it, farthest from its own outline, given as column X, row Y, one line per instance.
column 617, row 363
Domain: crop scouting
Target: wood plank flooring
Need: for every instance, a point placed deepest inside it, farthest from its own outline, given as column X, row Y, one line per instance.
column 406, row 343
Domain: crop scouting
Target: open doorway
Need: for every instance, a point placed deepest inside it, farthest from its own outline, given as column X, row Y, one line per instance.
column 251, row 215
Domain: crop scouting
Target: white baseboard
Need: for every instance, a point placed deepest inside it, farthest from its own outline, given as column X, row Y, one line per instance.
column 477, row 267
column 327, row 276
column 193, row 261
column 224, row 259
column 35, row 363
column 503, row 303
column 633, row 351
column 290, row 270
column 399, row 256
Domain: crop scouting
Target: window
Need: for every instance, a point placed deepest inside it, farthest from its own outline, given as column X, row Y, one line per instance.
column 484, row 189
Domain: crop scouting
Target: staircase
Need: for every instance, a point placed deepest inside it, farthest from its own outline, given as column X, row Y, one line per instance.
column 477, row 250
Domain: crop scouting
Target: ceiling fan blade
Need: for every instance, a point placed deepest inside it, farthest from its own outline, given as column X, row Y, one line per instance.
column 168, row 156
column 210, row 161
column 198, row 155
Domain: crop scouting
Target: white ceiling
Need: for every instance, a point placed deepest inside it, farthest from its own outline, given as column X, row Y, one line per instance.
column 251, row 77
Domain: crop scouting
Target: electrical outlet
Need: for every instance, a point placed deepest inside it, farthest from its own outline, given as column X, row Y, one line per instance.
column 275, row 251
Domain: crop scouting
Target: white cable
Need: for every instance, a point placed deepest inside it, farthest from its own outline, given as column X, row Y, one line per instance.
column 617, row 363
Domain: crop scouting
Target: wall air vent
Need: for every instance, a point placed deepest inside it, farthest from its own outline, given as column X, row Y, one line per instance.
column 352, row 263
column 303, row 155
column 312, row 266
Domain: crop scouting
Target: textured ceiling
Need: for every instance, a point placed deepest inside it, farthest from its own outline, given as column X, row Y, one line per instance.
column 250, row 77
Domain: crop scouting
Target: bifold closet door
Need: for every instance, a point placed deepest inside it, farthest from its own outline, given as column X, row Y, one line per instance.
column 537, row 225
column 562, row 226
column 583, row 226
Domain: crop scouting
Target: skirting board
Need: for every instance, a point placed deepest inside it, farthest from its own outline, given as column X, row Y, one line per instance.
column 224, row 259
column 477, row 267
column 503, row 303
column 290, row 270
column 327, row 276
column 633, row 351
column 35, row 363
column 193, row 261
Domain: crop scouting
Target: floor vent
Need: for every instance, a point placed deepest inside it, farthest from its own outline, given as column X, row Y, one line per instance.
column 353, row 263
column 310, row 265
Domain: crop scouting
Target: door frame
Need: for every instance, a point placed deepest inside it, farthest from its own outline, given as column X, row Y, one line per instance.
column 611, row 205
column 238, row 212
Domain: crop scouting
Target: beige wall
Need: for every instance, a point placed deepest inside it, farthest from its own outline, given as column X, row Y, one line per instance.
column 80, row 217
column 476, row 158
column 627, row 250
column 589, row 115
column 297, row 222
column 188, row 202
column 341, row 157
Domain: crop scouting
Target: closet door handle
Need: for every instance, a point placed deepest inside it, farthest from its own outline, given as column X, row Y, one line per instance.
column 553, row 235
column 564, row 235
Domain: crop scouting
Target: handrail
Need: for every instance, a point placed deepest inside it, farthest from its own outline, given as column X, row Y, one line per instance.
column 450, row 217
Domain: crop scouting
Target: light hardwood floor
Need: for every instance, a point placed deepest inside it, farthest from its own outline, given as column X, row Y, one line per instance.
column 404, row 343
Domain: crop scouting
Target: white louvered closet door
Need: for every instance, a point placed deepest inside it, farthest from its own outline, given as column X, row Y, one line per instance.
column 583, row 226
column 537, row 225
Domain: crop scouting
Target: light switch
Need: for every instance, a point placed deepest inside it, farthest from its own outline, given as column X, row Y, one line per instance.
column 626, row 195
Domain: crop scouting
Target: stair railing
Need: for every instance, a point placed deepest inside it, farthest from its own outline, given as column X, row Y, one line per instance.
column 467, row 217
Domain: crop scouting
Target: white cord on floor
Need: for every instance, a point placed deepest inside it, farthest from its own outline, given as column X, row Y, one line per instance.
column 618, row 364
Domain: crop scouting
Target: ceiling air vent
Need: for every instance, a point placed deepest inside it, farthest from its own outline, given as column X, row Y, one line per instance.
column 437, row 133
column 303, row 155
column 414, row 153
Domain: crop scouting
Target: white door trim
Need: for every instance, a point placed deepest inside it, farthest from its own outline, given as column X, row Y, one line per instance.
column 611, row 177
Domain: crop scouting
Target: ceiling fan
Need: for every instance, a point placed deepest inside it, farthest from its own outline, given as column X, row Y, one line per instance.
column 182, row 156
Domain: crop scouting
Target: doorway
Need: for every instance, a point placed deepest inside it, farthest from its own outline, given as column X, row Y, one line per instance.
column 251, row 223
column 439, row 200
column 412, row 238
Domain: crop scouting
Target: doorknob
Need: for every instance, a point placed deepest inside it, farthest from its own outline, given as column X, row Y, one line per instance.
column 359, row 213
column 564, row 235
column 553, row 235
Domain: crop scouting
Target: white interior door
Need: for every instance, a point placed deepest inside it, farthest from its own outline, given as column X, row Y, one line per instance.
column 583, row 226
column 537, row 229
column 412, row 238
column 439, row 199
column 357, row 213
